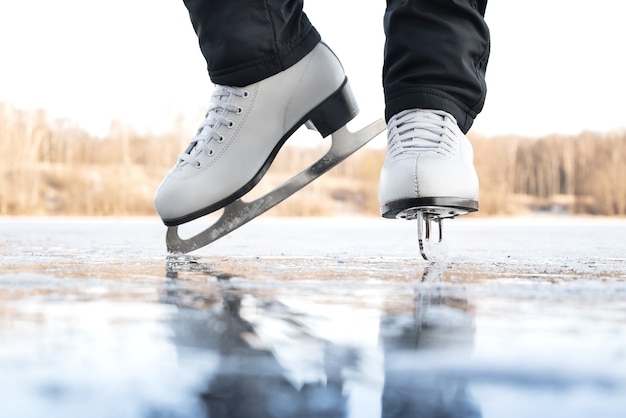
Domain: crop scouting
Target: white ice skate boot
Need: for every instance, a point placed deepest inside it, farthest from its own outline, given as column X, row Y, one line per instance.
column 244, row 129
column 429, row 171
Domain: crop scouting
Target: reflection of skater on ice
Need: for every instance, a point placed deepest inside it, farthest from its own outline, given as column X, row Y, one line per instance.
column 273, row 74
column 280, row 355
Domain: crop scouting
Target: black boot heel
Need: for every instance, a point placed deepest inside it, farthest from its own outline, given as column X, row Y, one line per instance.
column 334, row 112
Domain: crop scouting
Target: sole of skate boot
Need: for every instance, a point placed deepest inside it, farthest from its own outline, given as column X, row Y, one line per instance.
column 444, row 207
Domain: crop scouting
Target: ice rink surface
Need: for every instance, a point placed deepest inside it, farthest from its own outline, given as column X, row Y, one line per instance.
column 337, row 317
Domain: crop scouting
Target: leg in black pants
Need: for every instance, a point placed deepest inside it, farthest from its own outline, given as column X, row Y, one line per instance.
column 245, row 41
column 435, row 55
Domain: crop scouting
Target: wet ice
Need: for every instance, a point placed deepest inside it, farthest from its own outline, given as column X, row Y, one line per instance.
column 332, row 317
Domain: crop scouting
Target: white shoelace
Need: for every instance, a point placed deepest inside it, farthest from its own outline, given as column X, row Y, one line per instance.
column 419, row 131
column 215, row 116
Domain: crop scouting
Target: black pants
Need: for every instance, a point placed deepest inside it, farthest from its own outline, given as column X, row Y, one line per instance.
column 436, row 51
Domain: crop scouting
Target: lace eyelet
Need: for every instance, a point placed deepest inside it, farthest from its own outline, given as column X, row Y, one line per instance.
column 211, row 152
column 198, row 164
column 230, row 124
column 220, row 139
column 239, row 111
column 246, row 93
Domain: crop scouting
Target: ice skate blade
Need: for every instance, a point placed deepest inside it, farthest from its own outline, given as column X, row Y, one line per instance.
column 238, row 213
column 427, row 210
column 431, row 249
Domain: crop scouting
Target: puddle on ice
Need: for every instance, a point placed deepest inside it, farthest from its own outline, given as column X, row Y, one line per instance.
column 313, row 317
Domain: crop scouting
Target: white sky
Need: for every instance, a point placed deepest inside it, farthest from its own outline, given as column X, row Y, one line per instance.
column 556, row 65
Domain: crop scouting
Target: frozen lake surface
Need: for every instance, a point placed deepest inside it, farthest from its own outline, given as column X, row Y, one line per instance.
column 313, row 318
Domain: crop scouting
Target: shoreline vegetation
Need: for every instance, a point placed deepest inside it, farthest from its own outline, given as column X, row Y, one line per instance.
column 53, row 167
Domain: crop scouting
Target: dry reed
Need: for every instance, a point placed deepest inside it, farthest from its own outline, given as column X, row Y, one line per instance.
column 50, row 167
